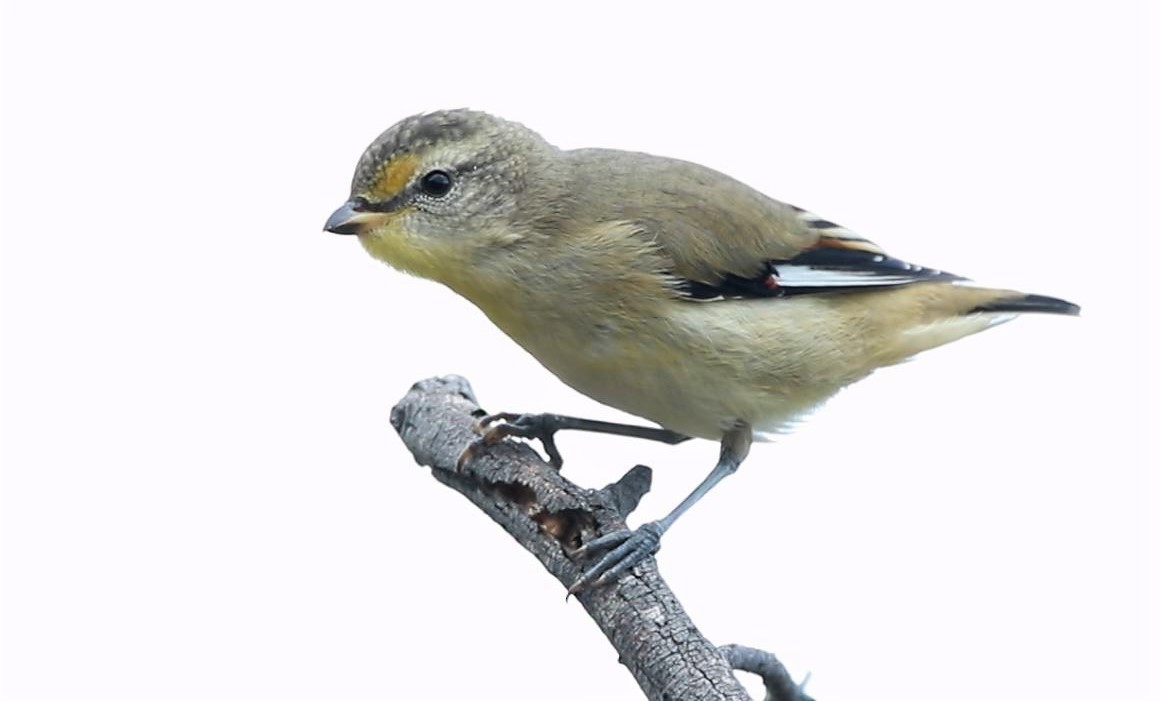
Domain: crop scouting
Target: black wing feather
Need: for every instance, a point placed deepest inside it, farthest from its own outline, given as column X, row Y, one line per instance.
column 818, row 270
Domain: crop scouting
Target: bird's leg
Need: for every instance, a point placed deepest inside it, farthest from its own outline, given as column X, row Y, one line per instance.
column 627, row 548
column 495, row 427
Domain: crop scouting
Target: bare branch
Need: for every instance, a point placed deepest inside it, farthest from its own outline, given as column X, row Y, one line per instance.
column 779, row 686
column 551, row 517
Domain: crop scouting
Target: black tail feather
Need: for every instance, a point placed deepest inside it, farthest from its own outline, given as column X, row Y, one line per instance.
column 1029, row 303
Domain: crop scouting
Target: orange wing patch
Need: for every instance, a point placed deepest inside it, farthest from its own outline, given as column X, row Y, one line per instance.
column 393, row 176
column 831, row 235
column 848, row 242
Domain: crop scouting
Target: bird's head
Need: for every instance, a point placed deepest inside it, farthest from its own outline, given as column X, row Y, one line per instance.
column 437, row 193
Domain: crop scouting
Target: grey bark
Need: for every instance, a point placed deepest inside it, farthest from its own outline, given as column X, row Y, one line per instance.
column 550, row 517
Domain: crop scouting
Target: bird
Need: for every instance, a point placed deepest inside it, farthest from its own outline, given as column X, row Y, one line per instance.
column 657, row 286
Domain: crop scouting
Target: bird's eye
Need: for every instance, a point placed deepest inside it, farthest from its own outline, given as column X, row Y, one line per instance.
column 436, row 183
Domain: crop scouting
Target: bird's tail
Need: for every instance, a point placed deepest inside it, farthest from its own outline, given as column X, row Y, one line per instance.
column 929, row 315
column 1019, row 303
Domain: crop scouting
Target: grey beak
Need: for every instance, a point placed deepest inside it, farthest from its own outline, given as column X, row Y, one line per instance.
column 345, row 220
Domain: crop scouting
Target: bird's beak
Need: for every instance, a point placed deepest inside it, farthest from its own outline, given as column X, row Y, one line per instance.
column 348, row 220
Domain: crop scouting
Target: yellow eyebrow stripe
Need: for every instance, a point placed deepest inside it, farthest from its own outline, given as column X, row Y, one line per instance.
column 393, row 176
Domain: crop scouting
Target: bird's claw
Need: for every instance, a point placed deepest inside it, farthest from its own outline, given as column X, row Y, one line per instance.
column 493, row 428
column 626, row 549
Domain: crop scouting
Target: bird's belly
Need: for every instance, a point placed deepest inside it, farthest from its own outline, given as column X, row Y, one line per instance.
column 704, row 408
column 696, row 387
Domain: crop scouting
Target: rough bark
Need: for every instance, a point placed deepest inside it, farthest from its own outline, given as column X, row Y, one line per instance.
column 550, row 517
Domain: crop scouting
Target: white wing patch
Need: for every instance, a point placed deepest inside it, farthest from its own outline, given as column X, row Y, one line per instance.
column 846, row 268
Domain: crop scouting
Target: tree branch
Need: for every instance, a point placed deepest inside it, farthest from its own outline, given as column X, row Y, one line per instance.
column 779, row 686
column 550, row 517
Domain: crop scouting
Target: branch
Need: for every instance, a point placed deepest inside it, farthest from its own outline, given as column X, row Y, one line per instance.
column 779, row 686
column 550, row 517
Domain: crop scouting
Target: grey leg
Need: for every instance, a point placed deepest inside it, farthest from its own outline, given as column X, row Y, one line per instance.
column 495, row 427
column 627, row 548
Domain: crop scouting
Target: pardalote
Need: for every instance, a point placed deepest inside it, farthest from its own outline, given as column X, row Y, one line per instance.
column 657, row 286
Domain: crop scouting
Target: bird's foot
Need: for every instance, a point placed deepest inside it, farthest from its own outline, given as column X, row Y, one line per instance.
column 626, row 549
column 493, row 428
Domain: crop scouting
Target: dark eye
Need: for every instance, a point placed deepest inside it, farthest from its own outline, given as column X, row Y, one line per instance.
column 436, row 183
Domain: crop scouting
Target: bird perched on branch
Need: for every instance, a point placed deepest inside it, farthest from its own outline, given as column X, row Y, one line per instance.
column 657, row 286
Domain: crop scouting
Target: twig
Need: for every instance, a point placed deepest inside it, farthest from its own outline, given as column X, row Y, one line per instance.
column 779, row 686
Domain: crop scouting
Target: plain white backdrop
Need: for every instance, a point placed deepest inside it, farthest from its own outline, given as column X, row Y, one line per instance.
column 202, row 496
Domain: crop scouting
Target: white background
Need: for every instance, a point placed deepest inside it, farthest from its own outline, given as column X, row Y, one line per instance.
column 202, row 497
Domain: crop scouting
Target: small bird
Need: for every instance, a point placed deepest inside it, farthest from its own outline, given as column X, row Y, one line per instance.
column 657, row 286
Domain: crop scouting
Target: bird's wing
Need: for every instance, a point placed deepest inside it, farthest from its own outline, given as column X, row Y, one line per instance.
column 721, row 239
column 828, row 258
